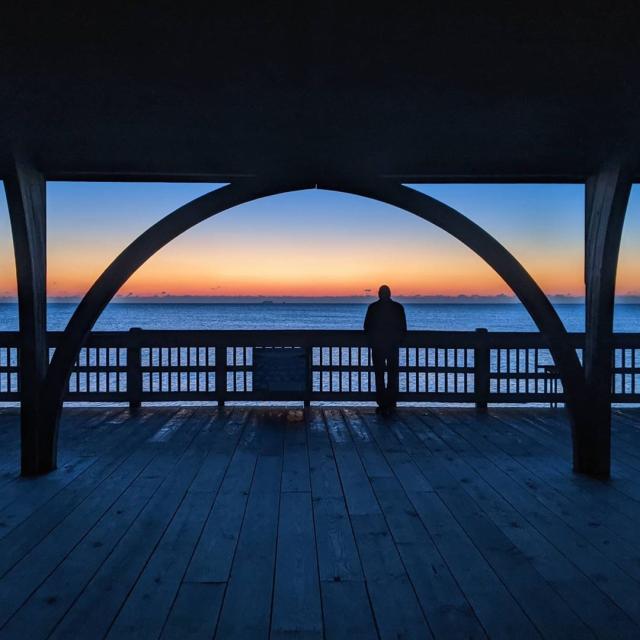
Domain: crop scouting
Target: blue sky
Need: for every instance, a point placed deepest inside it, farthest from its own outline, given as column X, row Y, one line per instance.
column 317, row 242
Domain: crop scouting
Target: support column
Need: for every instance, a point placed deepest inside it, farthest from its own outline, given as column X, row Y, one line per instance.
column 606, row 197
column 26, row 197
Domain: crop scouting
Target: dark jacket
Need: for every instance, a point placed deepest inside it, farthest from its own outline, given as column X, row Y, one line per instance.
column 385, row 323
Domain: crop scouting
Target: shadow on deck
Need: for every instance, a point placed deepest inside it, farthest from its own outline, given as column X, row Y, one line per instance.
column 193, row 523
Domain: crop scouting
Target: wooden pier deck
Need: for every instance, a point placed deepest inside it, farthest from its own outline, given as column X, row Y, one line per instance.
column 235, row 523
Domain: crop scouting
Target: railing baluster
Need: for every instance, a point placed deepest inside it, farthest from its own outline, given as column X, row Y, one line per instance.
column 244, row 372
column 221, row 374
column 481, row 369
column 308, row 387
column 134, row 372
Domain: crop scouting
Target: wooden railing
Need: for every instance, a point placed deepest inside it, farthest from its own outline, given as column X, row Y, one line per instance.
column 452, row 367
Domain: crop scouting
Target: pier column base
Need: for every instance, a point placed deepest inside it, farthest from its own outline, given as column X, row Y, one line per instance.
column 26, row 197
column 606, row 198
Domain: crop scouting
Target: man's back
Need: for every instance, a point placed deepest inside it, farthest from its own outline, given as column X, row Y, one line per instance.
column 385, row 325
column 385, row 322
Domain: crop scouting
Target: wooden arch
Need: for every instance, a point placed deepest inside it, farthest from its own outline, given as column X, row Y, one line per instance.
column 240, row 192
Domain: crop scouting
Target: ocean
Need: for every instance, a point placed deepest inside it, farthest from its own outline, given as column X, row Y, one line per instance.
column 121, row 316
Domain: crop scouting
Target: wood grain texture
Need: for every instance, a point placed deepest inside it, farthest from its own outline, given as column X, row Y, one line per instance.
column 335, row 523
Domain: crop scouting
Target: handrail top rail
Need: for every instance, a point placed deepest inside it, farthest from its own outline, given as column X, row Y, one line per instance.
column 438, row 332
column 295, row 337
column 317, row 337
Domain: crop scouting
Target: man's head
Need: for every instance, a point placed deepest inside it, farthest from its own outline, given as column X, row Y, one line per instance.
column 384, row 293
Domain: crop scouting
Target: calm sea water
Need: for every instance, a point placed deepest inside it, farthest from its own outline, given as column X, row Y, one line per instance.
column 455, row 317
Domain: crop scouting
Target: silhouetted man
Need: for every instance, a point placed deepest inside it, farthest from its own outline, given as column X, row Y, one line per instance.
column 385, row 325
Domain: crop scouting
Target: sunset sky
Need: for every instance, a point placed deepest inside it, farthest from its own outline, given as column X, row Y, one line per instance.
column 317, row 242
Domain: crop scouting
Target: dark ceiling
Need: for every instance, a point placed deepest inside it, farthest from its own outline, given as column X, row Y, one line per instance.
column 420, row 91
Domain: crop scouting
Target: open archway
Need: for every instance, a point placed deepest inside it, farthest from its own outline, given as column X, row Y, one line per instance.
column 242, row 191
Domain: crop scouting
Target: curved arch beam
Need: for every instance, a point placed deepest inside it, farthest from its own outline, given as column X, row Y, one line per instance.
column 187, row 216
column 514, row 274
column 119, row 271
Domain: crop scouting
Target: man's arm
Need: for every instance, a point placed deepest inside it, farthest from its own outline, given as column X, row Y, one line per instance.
column 403, row 320
column 367, row 320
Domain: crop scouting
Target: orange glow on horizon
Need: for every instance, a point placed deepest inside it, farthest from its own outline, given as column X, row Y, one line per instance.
column 179, row 271
column 184, row 274
column 448, row 279
column 343, row 246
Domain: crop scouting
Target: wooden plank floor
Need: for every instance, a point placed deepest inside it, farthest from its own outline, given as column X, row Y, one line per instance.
column 236, row 523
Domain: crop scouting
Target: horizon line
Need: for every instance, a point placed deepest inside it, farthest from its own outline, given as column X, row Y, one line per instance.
column 344, row 299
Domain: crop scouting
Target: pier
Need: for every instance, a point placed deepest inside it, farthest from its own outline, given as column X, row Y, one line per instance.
column 175, row 512
column 234, row 522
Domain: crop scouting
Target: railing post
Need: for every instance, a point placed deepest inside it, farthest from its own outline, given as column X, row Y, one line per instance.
column 308, row 386
column 221, row 373
column 134, row 370
column 481, row 369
